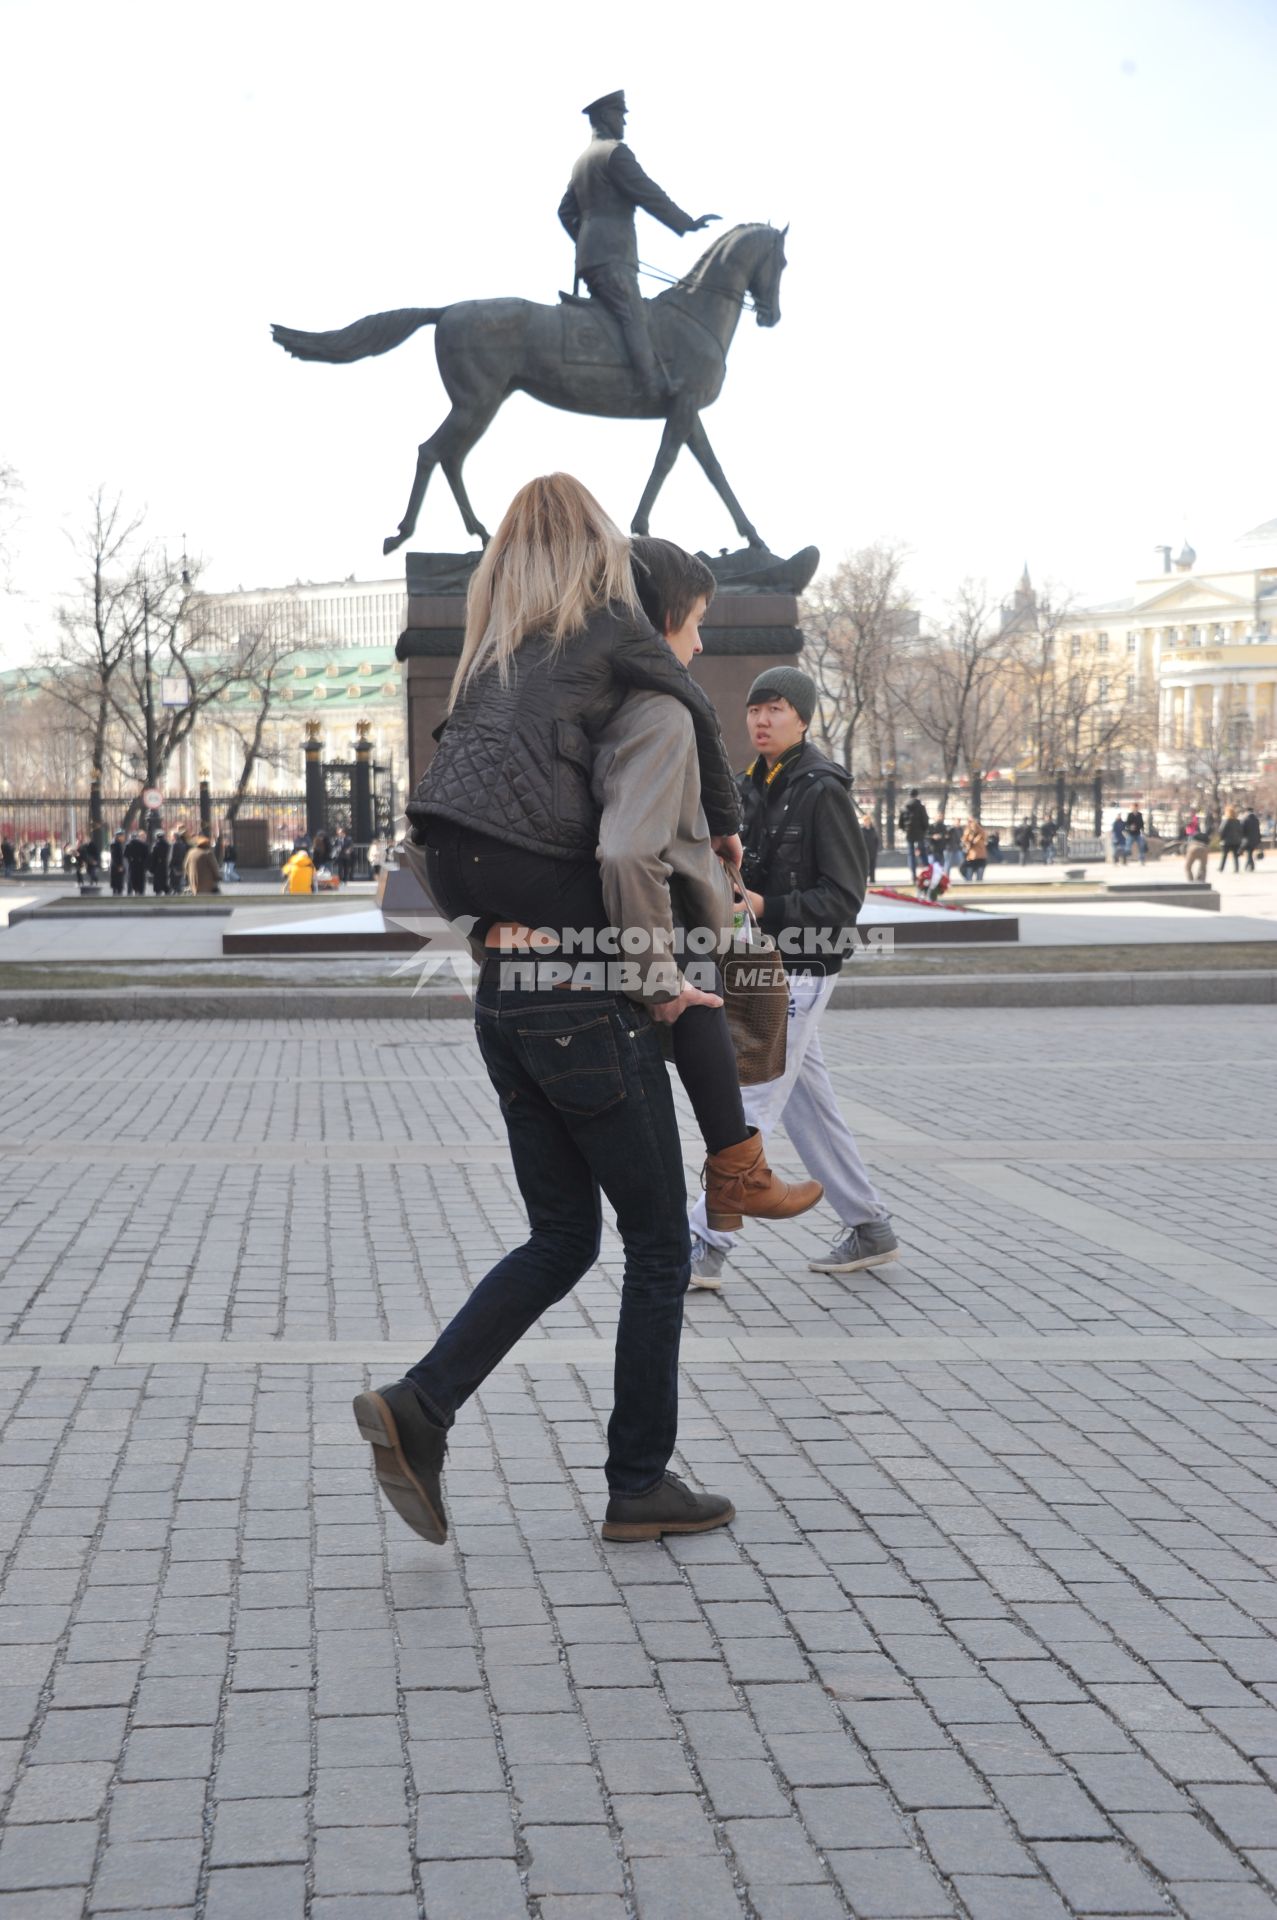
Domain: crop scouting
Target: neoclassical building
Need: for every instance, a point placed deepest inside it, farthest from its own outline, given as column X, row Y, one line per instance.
column 1199, row 643
column 344, row 672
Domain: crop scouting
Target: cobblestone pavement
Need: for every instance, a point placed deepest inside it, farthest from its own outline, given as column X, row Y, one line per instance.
column 993, row 1634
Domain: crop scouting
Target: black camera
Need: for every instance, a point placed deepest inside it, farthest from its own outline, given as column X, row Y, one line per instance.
column 751, row 870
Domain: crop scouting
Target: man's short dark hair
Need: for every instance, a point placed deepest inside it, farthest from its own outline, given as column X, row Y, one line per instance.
column 913, row 793
column 669, row 581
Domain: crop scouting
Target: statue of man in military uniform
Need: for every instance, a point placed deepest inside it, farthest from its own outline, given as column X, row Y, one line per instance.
column 598, row 211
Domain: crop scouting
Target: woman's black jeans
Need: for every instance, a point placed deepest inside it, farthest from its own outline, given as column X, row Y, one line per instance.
column 587, row 1104
column 586, row 1099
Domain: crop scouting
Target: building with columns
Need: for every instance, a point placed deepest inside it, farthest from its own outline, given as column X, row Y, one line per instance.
column 1198, row 645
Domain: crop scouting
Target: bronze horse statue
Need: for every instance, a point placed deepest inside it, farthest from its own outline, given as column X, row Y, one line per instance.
column 572, row 356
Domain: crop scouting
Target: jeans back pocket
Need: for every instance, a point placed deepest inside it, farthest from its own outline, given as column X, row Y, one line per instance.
column 571, row 1054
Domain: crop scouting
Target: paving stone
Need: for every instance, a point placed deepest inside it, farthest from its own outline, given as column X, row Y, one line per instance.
column 1178, row 1847
column 146, row 1873
column 673, row 1889
column 550, row 1795
column 249, row 1893
column 773, row 1852
column 932, row 1780
column 662, row 1824
column 1123, row 1784
column 1099, row 1877
column 252, row 1833
column 572, row 1860
column 462, row 1889
column 28, row 1859
column 464, row 1826
column 157, row 1810
column 998, row 1897
column 890, row 1884
column 69, row 1790
column 1052, row 1809
column 362, row 1860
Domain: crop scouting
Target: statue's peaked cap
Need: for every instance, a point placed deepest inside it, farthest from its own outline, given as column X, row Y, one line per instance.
column 605, row 101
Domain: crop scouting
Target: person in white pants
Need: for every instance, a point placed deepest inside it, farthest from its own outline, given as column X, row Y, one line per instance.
column 805, row 871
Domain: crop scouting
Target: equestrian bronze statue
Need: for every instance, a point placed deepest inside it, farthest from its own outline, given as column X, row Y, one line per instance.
column 574, row 357
column 613, row 354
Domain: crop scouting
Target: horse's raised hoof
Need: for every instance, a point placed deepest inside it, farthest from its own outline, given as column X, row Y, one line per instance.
column 394, row 540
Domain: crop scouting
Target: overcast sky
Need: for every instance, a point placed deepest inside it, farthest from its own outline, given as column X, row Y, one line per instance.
column 1029, row 311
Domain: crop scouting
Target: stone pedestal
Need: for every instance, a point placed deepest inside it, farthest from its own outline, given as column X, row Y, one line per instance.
column 746, row 630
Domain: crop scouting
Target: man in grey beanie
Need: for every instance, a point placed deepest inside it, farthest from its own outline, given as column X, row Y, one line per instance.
column 805, row 870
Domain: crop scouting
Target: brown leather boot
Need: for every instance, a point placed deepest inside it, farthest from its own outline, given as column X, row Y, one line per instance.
column 739, row 1181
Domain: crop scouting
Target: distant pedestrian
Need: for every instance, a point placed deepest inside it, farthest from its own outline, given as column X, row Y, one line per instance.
column 321, row 848
column 913, row 823
column 8, row 860
column 873, row 844
column 117, row 865
column 1117, row 834
column 229, row 864
column 1047, row 834
column 1135, row 833
column 1024, row 837
column 1252, row 838
column 1193, row 824
column 202, row 873
column 178, row 850
column 376, row 857
column 942, row 841
column 46, row 855
column 1197, row 853
column 1231, row 839
column 975, row 850
column 158, row 863
column 136, row 859
column 299, row 872
column 344, row 858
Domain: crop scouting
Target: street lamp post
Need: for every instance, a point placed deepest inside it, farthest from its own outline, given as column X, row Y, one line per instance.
column 152, row 818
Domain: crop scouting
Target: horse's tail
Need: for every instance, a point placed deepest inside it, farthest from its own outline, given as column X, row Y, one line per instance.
column 375, row 333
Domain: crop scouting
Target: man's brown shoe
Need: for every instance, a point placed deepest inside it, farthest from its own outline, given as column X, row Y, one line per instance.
column 671, row 1507
column 739, row 1181
column 407, row 1455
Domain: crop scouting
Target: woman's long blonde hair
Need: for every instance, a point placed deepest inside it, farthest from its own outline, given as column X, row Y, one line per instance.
column 556, row 559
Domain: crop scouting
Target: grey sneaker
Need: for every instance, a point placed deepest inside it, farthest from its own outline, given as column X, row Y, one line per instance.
column 872, row 1244
column 707, row 1264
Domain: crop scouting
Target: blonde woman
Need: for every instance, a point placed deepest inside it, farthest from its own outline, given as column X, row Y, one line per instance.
column 505, row 815
column 1231, row 838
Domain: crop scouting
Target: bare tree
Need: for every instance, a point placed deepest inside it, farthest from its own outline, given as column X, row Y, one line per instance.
column 10, row 495
column 41, row 742
column 98, row 627
column 266, row 651
column 851, row 620
column 1218, row 760
column 962, row 693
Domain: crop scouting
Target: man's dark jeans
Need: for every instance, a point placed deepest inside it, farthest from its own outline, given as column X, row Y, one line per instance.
column 587, row 1105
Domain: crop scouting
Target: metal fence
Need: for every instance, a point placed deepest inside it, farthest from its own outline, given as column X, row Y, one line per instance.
column 63, row 820
column 1001, row 805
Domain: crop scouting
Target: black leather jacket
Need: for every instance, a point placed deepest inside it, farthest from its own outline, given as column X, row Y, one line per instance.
column 515, row 761
column 805, row 854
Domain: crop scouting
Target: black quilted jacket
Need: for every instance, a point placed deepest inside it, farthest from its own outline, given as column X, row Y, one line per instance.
column 515, row 761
